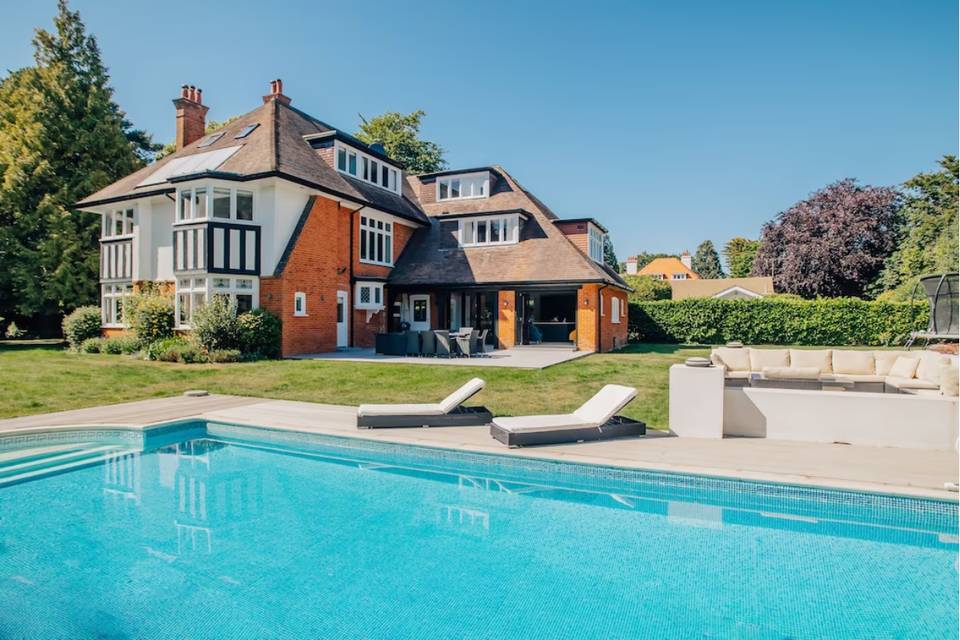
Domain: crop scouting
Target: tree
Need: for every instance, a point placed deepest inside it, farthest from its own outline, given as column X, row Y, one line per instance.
column 646, row 288
column 929, row 242
column 706, row 261
column 400, row 136
column 834, row 243
column 209, row 128
column 644, row 258
column 609, row 257
column 739, row 254
column 62, row 137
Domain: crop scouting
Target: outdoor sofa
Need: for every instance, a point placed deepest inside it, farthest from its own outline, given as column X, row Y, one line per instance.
column 595, row 419
column 880, row 371
column 449, row 412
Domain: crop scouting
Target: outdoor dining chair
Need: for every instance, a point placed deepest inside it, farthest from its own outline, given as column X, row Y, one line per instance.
column 463, row 340
column 443, row 343
column 429, row 343
column 413, row 343
column 477, row 342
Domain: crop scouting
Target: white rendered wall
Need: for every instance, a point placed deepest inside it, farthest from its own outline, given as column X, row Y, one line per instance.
column 696, row 401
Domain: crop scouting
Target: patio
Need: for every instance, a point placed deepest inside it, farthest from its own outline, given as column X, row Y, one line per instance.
column 526, row 357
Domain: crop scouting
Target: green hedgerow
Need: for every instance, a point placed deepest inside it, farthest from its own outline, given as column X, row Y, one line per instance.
column 259, row 333
column 81, row 324
column 92, row 345
column 175, row 349
column 149, row 316
column 121, row 344
column 776, row 320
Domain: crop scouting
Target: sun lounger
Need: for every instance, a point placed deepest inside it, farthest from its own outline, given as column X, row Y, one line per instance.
column 449, row 412
column 596, row 419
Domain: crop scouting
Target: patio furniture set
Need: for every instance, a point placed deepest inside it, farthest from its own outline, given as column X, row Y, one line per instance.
column 466, row 342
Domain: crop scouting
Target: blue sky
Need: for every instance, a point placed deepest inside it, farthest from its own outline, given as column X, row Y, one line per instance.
column 670, row 122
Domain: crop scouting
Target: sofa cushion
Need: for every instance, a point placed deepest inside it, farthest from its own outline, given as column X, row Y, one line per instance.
column 909, row 383
column 760, row 358
column 822, row 359
column 860, row 377
column 950, row 380
column 885, row 359
column 930, row 365
column 791, row 373
column 904, row 367
column 731, row 359
column 850, row 361
column 736, row 375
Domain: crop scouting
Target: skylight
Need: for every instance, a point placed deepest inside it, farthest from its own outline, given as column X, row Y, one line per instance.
column 247, row 130
column 210, row 140
column 195, row 163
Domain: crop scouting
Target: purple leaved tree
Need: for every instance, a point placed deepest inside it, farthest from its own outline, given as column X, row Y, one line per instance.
column 833, row 243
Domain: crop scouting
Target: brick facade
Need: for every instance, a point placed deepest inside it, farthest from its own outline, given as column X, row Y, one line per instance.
column 596, row 331
column 577, row 233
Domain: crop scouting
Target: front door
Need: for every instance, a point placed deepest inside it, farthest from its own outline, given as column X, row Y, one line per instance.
column 342, row 308
column 420, row 313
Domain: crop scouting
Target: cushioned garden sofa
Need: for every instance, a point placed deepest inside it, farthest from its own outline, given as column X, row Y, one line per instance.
column 916, row 372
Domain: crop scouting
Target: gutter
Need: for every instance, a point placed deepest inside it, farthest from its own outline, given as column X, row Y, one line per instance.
column 599, row 316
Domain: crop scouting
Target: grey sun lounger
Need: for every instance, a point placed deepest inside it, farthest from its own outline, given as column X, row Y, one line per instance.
column 596, row 419
column 449, row 412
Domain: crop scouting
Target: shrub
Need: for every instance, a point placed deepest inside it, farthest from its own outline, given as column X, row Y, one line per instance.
column 175, row 349
column 777, row 320
column 647, row 288
column 92, row 345
column 14, row 332
column 225, row 355
column 82, row 323
column 149, row 316
column 120, row 344
column 259, row 333
column 214, row 325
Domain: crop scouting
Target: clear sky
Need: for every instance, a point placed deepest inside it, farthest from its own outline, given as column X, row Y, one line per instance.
column 671, row 122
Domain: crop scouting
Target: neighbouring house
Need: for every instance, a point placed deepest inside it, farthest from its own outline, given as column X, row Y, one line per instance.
column 726, row 288
column 670, row 268
column 282, row 211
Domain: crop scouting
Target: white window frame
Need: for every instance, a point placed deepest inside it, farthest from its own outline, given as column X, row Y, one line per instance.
column 127, row 216
column 209, row 189
column 601, row 304
column 300, row 304
column 210, row 285
column 110, row 311
column 467, row 230
column 595, row 242
column 370, row 226
column 679, row 276
column 362, row 163
column 375, row 291
column 615, row 309
column 479, row 186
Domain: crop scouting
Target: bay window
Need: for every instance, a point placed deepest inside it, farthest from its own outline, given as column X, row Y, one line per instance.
column 117, row 223
column 488, row 230
column 222, row 203
column 376, row 241
column 192, row 294
column 111, row 306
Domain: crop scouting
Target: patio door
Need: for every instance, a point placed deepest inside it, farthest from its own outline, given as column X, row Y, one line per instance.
column 342, row 308
column 420, row 312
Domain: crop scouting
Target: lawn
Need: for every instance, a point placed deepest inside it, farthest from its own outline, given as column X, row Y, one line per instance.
column 39, row 378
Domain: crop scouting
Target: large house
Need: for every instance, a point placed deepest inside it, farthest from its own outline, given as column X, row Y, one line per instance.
column 665, row 268
column 282, row 211
column 725, row 288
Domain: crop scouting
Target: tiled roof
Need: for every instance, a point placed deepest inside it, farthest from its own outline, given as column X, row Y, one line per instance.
column 543, row 255
column 275, row 147
column 667, row 267
column 708, row 288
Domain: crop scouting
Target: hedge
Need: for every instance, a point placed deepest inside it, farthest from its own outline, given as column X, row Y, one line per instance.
column 825, row 321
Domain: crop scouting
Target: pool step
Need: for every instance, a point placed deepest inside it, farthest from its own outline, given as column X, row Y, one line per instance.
column 33, row 453
column 56, row 462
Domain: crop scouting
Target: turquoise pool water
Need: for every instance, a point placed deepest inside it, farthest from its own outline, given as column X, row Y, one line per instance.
column 236, row 535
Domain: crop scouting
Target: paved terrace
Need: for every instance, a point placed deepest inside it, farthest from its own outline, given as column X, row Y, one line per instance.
column 535, row 357
column 886, row 470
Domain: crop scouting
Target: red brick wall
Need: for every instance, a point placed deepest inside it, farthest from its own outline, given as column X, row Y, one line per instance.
column 428, row 191
column 578, row 234
column 611, row 335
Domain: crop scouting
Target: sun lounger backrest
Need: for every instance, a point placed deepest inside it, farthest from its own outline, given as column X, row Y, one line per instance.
column 605, row 404
column 461, row 395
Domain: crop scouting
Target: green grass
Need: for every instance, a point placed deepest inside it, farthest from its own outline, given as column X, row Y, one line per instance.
column 39, row 378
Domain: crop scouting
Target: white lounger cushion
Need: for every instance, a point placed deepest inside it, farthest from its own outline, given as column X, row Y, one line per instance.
column 447, row 405
column 593, row 413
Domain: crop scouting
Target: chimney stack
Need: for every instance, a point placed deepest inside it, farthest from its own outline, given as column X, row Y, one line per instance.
column 632, row 266
column 191, row 115
column 276, row 93
column 686, row 260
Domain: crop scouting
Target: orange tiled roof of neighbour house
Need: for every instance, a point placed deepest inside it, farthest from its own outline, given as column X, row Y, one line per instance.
column 665, row 268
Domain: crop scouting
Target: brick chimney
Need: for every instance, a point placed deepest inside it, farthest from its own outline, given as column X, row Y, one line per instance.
column 276, row 93
column 686, row 260
column 191, row 115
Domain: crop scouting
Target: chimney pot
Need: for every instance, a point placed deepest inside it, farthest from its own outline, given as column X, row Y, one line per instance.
column 199, row 96
column 276, row 93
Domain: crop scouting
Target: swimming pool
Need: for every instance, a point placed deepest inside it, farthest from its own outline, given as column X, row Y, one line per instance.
column 222, row 531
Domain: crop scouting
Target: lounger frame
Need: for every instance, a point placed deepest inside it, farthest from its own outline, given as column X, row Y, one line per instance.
column 459, row 417
column 616, row 427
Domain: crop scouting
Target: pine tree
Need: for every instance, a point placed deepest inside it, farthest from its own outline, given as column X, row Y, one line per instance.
column 739, row 253
column 609, row 255
column 62, row 137
column 706, row 261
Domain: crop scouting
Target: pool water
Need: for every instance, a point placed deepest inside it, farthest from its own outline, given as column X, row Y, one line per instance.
column 245, row 534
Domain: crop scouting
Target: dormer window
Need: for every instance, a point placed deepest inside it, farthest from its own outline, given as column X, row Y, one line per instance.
column 473, row 185
column 367, row 168
column 489, row 230
column 596, row 239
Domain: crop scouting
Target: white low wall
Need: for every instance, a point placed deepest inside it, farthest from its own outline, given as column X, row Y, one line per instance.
column 869, row 419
